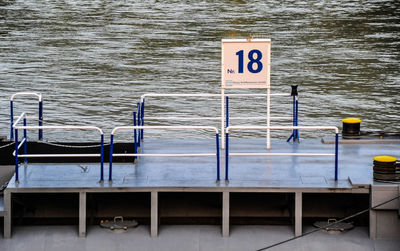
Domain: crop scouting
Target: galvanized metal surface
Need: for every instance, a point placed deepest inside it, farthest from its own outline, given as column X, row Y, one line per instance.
column 355, row 164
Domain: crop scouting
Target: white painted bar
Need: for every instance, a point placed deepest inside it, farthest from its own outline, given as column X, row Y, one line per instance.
column 164, row 154
column 38, row 95
column 20, row 144
column 184, row 118
column 58, row 155
column 61, row 127
column 125, row 128
column 144, row 96
column 282, row 154
column 19, row 119
column 217, row 118
column 282, row 128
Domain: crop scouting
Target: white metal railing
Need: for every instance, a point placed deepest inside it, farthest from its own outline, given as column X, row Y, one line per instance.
column 224, row 118
column 40, row 115
column 136, row 154
column 25, row 140
column 228, row 154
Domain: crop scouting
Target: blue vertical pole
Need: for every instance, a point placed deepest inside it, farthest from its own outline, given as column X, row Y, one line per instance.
column 297, row 119
column 226, row 156
column 227, row 111
column 294, row 118
column 139, row 123
column 134, row 136
column 25, row 143
column 111, row 157
column 102, row 158
column 16, row 155
column 218, row 164
column 11, row 119
column 336, row 155
column 40, row 119
column 142, row 117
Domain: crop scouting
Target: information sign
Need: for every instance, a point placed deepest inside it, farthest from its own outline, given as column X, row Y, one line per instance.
column 246, row 63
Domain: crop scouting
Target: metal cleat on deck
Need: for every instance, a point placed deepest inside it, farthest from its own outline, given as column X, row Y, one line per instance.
column 119, row 223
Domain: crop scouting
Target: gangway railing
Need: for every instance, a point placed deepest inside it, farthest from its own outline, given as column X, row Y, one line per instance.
column 40, row 114
column 136, row 154
column 224, row 118
column 24, row 141
column 230, row 128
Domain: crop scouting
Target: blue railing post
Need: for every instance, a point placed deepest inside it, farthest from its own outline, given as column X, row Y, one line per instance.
column 139, row 123
column 297, row 119
column 111, row 157
column 226, row 156
column 227, row 111
column 218, row 158
column 11, row 119
column 142, row 117
column 134, row 136
column 25, row 143
column 40, row 119
column 102, row 158
column 336, row 155
column 16, row 156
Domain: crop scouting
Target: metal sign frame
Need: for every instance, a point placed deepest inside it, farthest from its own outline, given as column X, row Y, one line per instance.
column 255, row 58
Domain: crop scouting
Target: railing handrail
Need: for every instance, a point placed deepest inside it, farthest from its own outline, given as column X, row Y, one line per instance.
column 40, row 112
column 143, row 97
column 62, row 127
column 38, row 95
column 227, row 154
column 24, row 142
column 136, row 154
column 119, row 128
column 282, row 128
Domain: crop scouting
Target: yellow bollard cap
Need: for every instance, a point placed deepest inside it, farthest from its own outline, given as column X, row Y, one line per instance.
column 385, row 158
column 351, row 121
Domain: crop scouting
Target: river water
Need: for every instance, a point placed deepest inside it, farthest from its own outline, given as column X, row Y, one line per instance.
column 92, row 60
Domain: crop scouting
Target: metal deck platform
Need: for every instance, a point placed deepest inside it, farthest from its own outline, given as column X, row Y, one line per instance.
column 259, row 174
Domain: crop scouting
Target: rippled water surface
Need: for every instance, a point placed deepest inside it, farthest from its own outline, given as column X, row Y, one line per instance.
column 92, row 60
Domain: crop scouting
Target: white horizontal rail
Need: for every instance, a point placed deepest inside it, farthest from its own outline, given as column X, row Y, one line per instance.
column 59, row 155
column 282, row 154
column 38, row 95
column 183, row 118
column 282, row 128
column 211, row 128
column 209, row 95
column 164, row 154
column 23, row 115
column 260, row 118
column 217, row 118
column 28, row 117
column 61, row 127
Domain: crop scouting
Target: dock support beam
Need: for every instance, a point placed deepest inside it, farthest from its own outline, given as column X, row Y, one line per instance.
column 7, row 214
column 82, row 214
column 225, row 214
column 154, row 214
column 298, row 224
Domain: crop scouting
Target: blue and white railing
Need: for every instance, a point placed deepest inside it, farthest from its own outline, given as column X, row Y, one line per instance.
column 40, row 114
column 140, row 128
column 264, row 128
column 224, row 118
column 24, row 141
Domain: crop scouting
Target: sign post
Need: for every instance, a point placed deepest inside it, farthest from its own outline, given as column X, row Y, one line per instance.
column 246, row 63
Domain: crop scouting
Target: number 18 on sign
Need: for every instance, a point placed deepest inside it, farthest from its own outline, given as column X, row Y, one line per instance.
column 246, row 63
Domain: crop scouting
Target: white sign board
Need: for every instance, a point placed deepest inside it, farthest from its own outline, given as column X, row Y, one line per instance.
column 246, row 63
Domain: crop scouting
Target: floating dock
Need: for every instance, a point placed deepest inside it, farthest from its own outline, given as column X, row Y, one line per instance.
column 162, row 183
